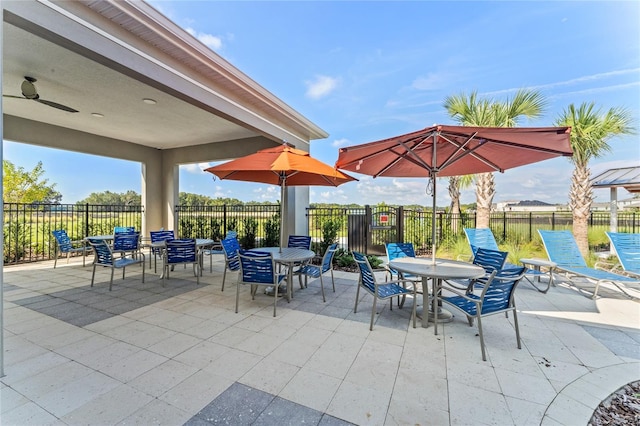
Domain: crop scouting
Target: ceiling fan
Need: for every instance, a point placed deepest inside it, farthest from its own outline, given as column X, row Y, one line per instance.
column 30, row 92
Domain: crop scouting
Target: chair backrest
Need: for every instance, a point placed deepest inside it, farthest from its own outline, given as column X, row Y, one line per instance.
column 103, row 254
column 63, row 240
column 123, row 229
column 398, row 250
column 367, row 279
column 627, row 247
column 256, row 267
column 231, row 246
column 490, row 260
column 158, row 236
column 126, row 241
column 562, row 248
column 181, row 251
column 481, row 238
column 327, row 259
column 231, row 234
column 497, row 294
column 299, row 241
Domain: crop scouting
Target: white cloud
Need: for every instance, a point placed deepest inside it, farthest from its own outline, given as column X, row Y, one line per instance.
column 321, row 86
column 340, row 142
column 431, row 81
column 209, row 40
column 195, row 168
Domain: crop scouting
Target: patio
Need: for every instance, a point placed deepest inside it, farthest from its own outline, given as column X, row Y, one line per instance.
column 144, row 354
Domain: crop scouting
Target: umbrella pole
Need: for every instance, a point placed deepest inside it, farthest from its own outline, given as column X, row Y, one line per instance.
column 433, row 221
column 283, row 199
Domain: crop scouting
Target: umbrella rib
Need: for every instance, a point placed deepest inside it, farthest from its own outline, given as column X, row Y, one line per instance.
column 415, row 159
column 471, row 152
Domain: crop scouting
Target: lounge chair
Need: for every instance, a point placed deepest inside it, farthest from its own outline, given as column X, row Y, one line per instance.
column 563, row 250
column 484, row 238
column 627, row 248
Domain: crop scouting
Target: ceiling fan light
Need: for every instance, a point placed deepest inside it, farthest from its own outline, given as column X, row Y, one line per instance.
column 149, row 101
column 97, row 115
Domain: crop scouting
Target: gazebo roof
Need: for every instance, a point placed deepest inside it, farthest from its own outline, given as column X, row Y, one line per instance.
column 627, row 178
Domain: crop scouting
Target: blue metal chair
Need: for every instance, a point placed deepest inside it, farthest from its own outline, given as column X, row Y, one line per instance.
column 106, row 256
column 562, row 249
column 231, row 247
column 397, row 251
column 627, row 248
column 66, row 246
column 217, row 249
column 299, row 241
column 492, row 261
column 181, row 252
column 389, row 289
column 158, row 237
column 316, row 271
column 123, row 229
column 484, row 238
column 497, row 296
column 258, row 269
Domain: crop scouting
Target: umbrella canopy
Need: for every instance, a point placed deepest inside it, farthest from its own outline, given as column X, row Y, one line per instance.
column 441, row 150
column 283, row 165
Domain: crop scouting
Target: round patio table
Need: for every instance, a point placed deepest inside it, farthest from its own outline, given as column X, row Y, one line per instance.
column 442, row 269
column 288, row 256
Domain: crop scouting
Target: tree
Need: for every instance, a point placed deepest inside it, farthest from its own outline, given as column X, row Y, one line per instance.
column 590, row 133
column 456, row 184
column 472, row 111
column 113, row 198
column 21, row 186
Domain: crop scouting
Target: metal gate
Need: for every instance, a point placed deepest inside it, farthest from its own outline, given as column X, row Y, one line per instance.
column 368, row 232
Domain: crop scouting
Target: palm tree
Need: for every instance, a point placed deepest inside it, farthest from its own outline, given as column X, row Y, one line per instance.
column 456, row 184
column 590, row 131
column 472, row 111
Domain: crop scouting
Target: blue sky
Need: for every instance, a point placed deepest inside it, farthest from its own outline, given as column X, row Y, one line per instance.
column 364, row 71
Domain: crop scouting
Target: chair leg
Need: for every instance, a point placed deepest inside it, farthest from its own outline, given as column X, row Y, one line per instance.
column 93, row 274
column 484, row 355
column 413, row 310
column 275, row 299
column 55, row 262
column 515, row 323
column 355, row 308
column 111, row 281
column 333, row 281
column 224, row 277
column 373, row 312
column 321, row 287
column 237, row 296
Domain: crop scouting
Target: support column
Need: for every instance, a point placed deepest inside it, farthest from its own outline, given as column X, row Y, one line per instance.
column 152, row 194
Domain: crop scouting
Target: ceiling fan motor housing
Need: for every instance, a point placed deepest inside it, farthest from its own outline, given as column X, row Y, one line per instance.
column 29, row 89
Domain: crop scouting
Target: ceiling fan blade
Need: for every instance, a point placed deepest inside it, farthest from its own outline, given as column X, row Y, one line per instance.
column 56, row 105
column 14, row 96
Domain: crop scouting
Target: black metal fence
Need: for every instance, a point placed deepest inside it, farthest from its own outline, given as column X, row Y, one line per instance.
column 27, row 227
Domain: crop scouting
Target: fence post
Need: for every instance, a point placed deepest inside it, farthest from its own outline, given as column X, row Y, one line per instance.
column 553, row 221
column 530, row 226
column 224, row 219
column 504, row 226
column 400, row 224
column 86, row 220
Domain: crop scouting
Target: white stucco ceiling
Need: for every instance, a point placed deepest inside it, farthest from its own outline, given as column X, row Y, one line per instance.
column 200, row 97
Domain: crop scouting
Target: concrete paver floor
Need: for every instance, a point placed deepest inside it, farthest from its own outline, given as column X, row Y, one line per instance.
column 148, row 354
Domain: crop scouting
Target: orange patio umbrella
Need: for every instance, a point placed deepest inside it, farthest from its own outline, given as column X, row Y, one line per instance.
column 283, row 165
column 442, row 150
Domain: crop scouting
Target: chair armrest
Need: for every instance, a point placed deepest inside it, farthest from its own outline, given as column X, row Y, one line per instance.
column 464, row 257
column 463, row 295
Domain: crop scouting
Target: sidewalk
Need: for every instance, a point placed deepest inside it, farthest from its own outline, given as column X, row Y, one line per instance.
column 144, row 354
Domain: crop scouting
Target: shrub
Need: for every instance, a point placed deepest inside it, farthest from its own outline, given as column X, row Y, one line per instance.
column 248, row 240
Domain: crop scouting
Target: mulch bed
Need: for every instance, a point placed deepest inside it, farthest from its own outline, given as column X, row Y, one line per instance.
column 621, row 408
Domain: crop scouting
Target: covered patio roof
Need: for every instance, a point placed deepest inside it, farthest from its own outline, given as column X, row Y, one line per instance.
column 626, row 177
